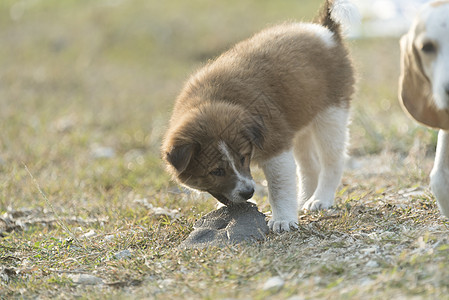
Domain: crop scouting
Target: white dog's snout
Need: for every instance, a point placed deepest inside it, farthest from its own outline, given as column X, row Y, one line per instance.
column 441, row 95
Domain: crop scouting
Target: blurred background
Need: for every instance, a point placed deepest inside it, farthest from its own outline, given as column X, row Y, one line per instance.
column 86, row 89
column 385, row 18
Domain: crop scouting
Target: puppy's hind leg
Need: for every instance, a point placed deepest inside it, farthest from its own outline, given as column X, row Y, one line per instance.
column 280, row 172
column 308, row 164
column 439, row 177
column 330, row 134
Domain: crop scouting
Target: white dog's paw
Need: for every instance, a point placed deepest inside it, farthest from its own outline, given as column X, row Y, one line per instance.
column 279, row 226
column 316, row 204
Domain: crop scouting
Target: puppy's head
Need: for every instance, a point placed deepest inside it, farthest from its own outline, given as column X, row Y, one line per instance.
column 210, row 148
column 424, row 82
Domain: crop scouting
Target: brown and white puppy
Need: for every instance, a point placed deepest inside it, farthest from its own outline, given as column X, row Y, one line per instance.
column 279, row 99
column 424, row 86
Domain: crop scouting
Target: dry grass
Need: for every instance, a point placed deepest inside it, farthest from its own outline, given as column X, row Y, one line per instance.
column 86, row 88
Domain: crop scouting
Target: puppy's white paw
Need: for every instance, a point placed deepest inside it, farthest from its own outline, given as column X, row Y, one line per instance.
column 315, row 204
column 279, row 226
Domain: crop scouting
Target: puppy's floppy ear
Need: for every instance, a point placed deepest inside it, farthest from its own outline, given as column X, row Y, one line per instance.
column 415, row 91
column 180, row 156
column 254, row 130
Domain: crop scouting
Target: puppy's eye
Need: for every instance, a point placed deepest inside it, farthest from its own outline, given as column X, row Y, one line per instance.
column 218, row 172
column 429, row 48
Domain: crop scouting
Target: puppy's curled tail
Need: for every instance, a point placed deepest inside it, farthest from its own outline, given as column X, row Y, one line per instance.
column 338, row 13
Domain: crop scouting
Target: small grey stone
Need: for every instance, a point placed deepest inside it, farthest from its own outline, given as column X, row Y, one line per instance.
column 89, row 234
column 273, row 283
column 372, row 264
column 165, row 283
column 103, row 152
column 85, row 279
column 123, row 254
column 228, row 224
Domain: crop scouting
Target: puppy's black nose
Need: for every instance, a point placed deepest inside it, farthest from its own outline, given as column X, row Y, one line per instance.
column 247, row 194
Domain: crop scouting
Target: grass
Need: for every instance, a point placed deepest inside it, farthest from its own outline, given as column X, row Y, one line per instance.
column 86, row 88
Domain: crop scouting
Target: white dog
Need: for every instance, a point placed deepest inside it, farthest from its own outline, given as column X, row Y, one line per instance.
column 424, row 86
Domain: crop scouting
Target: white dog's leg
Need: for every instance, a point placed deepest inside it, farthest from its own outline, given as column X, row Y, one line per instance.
column 280, row 173
column 330, row 135
column 308, row 165
column 439, row 177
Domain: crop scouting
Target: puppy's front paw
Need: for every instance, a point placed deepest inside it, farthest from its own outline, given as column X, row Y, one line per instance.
column 316, row 204
column 279, row 226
